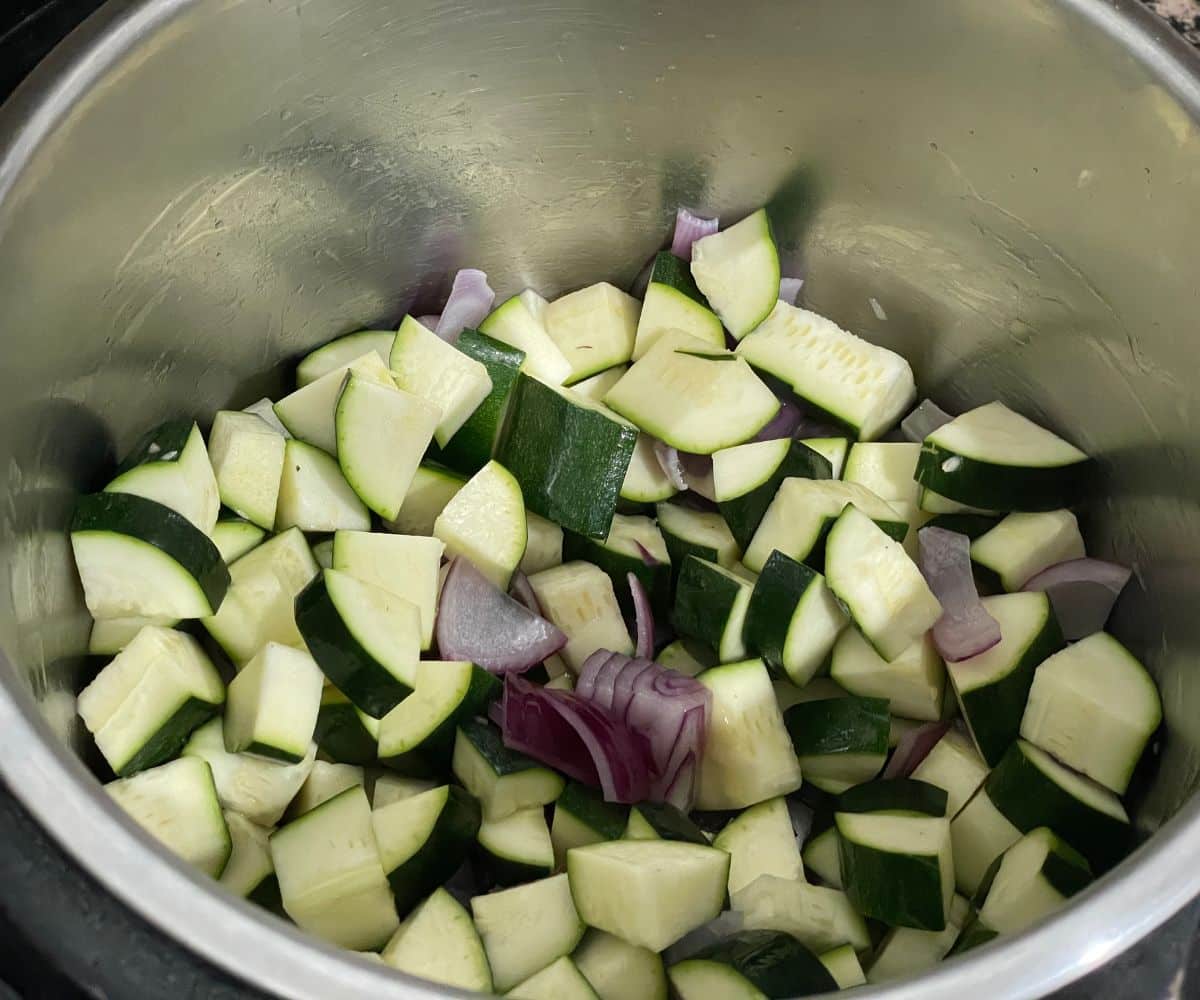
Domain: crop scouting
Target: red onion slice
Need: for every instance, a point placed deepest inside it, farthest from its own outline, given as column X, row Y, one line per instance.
column 470, row 301
column 430, row 322
column 522, row 590
column 1082, row 592
column 668, row 461
column 478, row 622
column 914, row 747
column 789, row 290
column 924, row 420
column 784, row 424
column 686, row 471
column 647, row 556
column 965, row 628
column 577, row 738
column 688, row 229
column 643, row 616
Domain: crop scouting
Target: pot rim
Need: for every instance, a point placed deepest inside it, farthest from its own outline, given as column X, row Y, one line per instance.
column 1158, row 879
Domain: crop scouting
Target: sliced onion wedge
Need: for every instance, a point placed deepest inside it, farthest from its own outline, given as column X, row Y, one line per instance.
column 784, row 424
column 430, row 322
column 789, row 290
column 688, row 229
column 470, row 301
column 924, row 420
column 1082, row 592
column 522, row 590
column 478, row 622
column 686, row 471
column 643, row 616
column 670, row 709
column 965, row 628
column 914, row 747
column 576, row 737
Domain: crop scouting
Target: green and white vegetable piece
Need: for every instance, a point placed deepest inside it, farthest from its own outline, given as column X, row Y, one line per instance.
column 427, row 366
column 648, row 892
column 913, row 683
column 404, row 565
column 954, row 765
column 503, row 780
column 880, row 587
column 579, row 598
column 594, row 328
column 748, row 757
column 818, row 917
column 906, row 951
column 694, row 396
column 340, row 352
column 249, row 862
column 137, row 557
column 324, row 781
column 861, row 385
column 438, row 941
column 1034, row 878
column 330, row 875
column 144, row 704
column 235, row 537
column 761, row 841
column 273, row 703
column 711, row 604
column 485, row 522
column 738, row 272
column 308, row 413
column 1094, row 708
column 560, row 980
column 171, row 466
column 247, row 458
column 1022, row 545
column 673, row 302
column 839, row 742
column 751, row 965
column 618, row 970
column 995, row 459
column 979, row 834
column 314, row 495
column 526, row 928
column 177, row 805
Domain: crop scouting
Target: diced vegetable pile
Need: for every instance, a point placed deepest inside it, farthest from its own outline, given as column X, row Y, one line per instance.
column 570, row 649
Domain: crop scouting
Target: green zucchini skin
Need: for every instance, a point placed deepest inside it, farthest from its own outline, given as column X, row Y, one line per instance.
column 1003, row 487
column 341, row 657
column 656, row 579
column 172, row 736
column 341, row 734
column 775, row 963
column 587, row 805
column 164, row 529
column 473, row 444
column 569, row 460
column 703, row 602
column 885, row 794
column 669, row 270
column 905, row 879
column 165, row 439
column 839, row 725
column 744, row 514
column 441, row 855
column 671, row 823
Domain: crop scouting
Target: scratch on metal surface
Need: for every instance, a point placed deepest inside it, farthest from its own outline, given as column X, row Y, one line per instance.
column 136, row 245
column 182, row 239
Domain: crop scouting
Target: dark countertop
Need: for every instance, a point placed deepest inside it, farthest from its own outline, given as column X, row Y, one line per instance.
column 1164, row 966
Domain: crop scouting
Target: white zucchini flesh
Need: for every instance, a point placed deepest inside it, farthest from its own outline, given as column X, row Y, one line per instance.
column 143, row 693
column 234, row 539
column 618, row 970
column 258, row 789
column 438, row 941
column 404, row 565
column 914, row 682
column 247, row 459
column 485, row 522
column 185, row 482
column 543, row 546
column 560, row 980
column 886, row 468
column 426, row 366
column 737, row 269
column 954, row 765
column 860, row 384
column 250, row 856
column 330, row 877
column 520, row 323
column 177, row 804
column 761, row 841
column 273, row 704
column 382, row 433
column 579, row 598
column 881, row 587
column 748, row 757
column 526, row 928
column 308, row 413
column 1023, row 545
column 844, row 966
column 324, row 781
column 391, row 788
column 645, row 481
column 264, row 409
column 111, row 635
column 314, row 495
column 906, row 951
column 648, row 892
column 796, row 518
column 259, row 605
column 817, row 916
column 342, row 351
column 593, row 327
column 1035, row 878
column 978, row 835
column 596, row 386
column 1094, row 707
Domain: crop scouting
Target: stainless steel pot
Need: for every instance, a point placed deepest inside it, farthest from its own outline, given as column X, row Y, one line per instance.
column 193, row 192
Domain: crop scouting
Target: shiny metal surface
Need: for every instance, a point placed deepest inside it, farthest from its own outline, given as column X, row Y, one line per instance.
column 193, row 192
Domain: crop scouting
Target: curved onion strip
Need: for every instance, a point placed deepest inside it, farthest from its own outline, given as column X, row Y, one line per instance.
column 924, row 420
column 647, row 556
column 470, row 301
column 668, row 461
column 914, row 747
column 965, row 628
column 430, row 322
column 789, row 290
column 688, row 229
column 784, row 424
column 643, row 615
column 522, row 590
column 479, row 622
column 576, row 737
column 1082, row 591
